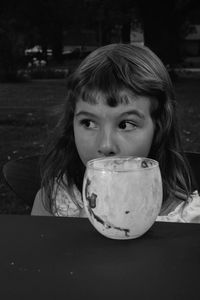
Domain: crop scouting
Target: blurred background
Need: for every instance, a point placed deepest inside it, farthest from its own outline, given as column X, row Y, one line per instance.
column 41, row 42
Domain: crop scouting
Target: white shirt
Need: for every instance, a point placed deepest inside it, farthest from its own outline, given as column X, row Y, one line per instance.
column 70, row 204
column 186, row 212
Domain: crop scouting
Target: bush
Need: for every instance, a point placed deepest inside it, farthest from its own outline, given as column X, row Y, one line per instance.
column 48, row 73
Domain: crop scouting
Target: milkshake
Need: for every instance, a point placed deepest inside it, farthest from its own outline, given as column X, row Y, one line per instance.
column 122, row 195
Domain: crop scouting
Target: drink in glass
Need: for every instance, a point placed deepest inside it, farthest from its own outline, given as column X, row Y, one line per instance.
column 122, row 195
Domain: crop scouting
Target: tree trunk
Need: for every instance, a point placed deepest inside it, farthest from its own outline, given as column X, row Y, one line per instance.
column 126, row 30
column 161, row 32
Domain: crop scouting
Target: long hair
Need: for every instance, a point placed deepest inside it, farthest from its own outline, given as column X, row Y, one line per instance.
column 110, row 69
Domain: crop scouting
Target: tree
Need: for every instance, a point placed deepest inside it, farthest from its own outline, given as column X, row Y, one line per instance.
column 52, row 17
column 28, row 23
column 13, row 30
column 165, row 24
column 108, row 16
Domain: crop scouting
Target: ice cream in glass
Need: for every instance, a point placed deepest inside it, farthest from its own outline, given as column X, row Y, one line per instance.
column 122, row 195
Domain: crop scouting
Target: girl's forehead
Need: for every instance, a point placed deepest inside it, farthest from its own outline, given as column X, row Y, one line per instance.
column 141, row 104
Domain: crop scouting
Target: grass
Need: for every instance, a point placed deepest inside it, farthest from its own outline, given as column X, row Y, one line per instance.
column 27, row 113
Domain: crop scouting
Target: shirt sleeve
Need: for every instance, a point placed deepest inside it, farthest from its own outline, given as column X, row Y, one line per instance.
column 186, row 212
column 38, row 208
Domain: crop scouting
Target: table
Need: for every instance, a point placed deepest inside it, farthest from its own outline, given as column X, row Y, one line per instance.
column 66, row 258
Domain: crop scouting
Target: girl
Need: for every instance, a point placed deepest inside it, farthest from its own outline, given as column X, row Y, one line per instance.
column 120, row 102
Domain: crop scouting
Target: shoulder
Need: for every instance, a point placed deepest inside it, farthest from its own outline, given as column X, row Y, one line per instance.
column 169, row 205
column 191, row 208
column 38, row 208
column 187, row 211
column 67, row 200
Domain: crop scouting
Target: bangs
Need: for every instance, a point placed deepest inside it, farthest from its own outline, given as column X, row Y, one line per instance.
column 104, row 81
column 112, row 97
column 102, row 75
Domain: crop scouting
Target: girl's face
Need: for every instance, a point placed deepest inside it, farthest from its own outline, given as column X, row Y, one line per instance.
column 124, row 130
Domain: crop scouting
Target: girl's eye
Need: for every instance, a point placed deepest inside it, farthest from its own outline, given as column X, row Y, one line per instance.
column 127, row 125
column 88, row 123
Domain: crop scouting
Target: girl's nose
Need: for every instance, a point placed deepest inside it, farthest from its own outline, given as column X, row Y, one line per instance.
column 107, row 145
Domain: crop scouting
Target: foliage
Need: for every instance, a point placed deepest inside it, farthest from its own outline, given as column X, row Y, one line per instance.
column 13, row 38
column 165, row 25
column 48, row 73
column 27, row 23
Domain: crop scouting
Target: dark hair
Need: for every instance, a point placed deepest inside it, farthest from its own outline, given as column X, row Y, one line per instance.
column 108, row 70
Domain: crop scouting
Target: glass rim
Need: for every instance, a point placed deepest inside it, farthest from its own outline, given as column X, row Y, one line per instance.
column 90, row 164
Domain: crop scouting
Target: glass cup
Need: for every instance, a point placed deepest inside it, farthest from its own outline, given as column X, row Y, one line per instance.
column 122, row 196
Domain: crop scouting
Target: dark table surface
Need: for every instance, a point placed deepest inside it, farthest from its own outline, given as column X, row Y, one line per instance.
column 66, row 258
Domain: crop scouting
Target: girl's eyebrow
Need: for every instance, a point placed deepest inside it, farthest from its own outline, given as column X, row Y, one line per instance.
column 84, row 113
column 135, row 112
